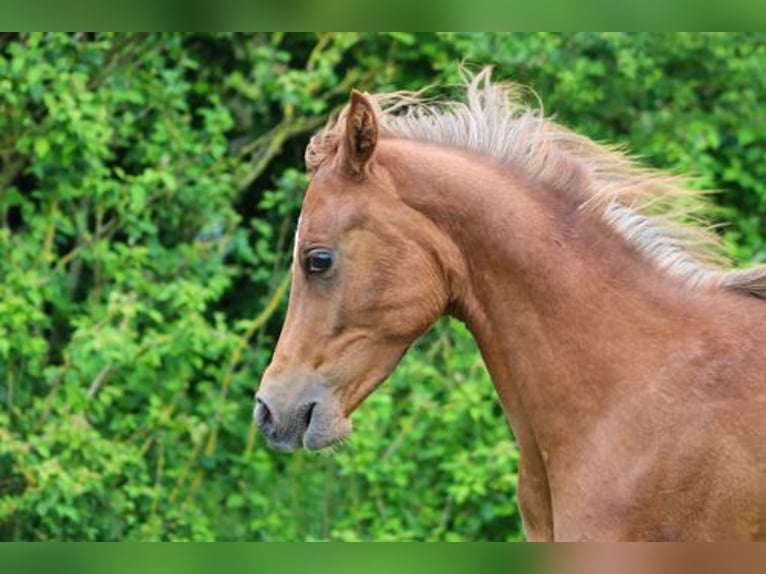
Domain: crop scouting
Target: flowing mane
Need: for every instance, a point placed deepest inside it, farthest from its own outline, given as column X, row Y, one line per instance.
column 640, row 203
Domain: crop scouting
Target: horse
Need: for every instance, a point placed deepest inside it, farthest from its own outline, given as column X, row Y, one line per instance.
column 629, row 358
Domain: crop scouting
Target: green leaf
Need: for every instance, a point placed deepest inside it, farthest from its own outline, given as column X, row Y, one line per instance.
column 41, row 146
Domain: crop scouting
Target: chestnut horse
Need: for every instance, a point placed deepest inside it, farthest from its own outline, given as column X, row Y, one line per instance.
column 630, row 363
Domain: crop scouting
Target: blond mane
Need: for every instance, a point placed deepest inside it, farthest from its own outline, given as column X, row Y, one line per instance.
column 640, row 203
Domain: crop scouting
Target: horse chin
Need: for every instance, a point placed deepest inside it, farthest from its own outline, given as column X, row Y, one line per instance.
column 326, row 430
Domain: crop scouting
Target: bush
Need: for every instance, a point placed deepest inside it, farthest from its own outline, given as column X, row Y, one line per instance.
column 149, row 185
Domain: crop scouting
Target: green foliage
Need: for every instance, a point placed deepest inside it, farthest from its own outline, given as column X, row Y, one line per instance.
column 149, row 186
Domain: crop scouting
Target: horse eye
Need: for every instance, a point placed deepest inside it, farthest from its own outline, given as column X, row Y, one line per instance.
column 319, row 261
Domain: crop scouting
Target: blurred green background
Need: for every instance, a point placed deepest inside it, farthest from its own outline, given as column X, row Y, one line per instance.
column 149, row 188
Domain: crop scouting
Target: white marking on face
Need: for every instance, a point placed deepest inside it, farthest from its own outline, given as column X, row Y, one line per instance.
column 297, row 238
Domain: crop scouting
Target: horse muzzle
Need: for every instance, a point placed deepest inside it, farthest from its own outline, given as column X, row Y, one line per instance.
column 299, row 409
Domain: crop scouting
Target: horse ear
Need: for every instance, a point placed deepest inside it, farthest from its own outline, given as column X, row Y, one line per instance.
column 361, row 133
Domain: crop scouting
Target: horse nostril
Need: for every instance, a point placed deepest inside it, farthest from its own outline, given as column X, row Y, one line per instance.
column 263, row 417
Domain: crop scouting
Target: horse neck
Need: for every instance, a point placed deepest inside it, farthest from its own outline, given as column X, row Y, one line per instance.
column 567, row 315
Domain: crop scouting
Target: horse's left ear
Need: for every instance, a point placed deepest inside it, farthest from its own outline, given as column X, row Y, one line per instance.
column 361, row 133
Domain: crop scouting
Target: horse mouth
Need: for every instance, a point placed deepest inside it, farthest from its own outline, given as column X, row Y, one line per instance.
column 325, row 429
column 316, row 443
column 314, row 426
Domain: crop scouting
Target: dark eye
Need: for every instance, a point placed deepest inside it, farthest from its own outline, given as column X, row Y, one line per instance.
column 319, row 261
